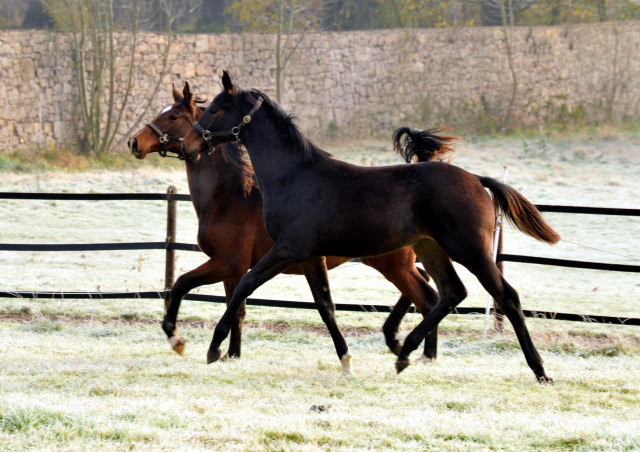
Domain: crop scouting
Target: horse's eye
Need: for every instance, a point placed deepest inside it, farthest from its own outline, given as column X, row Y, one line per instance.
column 173, row 117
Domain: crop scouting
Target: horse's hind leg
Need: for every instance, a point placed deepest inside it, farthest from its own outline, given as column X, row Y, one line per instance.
column 513, row 310
column 430, row 352
column 492, row 280
column 509, row 301
column 392, row 324
column 417, row 287
column 315, row 270
column 450, row 289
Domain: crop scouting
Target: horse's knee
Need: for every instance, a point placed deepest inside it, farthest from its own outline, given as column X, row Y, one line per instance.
column 180, row 287
column 390, row 326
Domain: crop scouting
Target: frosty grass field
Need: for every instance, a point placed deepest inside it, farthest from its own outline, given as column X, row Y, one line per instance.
column 88, row 375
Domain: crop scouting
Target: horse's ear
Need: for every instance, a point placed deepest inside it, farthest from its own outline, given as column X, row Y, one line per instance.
column 176, row 93
column 186, row 93
column 227, row 83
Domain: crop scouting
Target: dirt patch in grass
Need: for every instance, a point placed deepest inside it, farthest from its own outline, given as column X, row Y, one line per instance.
column 582, row 340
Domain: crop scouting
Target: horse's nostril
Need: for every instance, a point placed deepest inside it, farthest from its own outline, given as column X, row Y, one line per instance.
column 133, row 145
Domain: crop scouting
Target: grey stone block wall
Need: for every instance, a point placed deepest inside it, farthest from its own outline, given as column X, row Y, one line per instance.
column 358, row 83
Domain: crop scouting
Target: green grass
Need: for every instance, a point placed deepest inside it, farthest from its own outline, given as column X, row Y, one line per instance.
column 70, row 160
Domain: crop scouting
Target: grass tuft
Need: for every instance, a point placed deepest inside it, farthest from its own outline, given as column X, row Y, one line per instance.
column 43, row 326
column 277, row 436
column 26, row 419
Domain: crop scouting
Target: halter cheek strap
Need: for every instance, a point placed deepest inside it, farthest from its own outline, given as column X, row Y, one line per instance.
column 208, row 136
column 163, row 138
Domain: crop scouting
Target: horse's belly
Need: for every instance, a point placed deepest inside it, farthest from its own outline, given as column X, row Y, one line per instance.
column 367, row 242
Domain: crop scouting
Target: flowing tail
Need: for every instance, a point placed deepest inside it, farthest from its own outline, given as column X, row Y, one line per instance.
column 425, row 146
column 519, row 211
column 422, row 145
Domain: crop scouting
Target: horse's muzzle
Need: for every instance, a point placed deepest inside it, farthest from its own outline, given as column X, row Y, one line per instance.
column 133, row 148
column 185, row 155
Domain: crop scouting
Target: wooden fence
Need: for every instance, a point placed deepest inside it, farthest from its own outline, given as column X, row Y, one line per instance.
column 170, row 246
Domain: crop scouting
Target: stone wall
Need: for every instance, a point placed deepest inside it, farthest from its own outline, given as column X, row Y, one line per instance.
column 354, row 83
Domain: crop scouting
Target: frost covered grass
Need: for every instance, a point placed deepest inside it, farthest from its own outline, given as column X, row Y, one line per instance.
column 89, row 375
column 84, row 385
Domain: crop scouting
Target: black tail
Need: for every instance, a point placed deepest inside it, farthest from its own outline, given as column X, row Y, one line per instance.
column 423, row 145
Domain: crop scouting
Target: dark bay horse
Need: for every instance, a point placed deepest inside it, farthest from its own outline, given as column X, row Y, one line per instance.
column 316, row 205
column 231, row 226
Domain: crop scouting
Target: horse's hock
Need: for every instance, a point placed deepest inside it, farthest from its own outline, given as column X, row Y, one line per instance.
column 360, row 82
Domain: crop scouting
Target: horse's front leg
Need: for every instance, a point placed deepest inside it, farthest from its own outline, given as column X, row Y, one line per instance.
column 315, row 270
column 212, row 271
column 277, row 259
column 235, row 339
column 451, row 293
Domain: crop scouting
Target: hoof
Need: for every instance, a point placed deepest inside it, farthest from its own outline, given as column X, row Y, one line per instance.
column 424, row 359
column 213, row 356
column 544, row 380
column 402, row 365
column 346, row 363
column 177, row 344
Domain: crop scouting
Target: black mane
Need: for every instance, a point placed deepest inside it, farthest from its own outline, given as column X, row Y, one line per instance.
column 299, row 140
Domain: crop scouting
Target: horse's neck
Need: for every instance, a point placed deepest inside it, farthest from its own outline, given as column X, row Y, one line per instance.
column 273, row 160
column 211, row 183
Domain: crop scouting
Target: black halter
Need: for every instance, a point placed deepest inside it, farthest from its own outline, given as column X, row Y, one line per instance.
column 164, row 139
column 234, row 133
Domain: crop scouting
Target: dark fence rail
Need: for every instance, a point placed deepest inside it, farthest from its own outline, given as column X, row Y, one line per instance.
column 267, row 302
column 170, row 245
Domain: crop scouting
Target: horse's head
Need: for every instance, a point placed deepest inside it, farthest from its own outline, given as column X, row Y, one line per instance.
column 223, row 120
column 164, row 134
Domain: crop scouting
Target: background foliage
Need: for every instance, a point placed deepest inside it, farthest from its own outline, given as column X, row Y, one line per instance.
column 341, row 15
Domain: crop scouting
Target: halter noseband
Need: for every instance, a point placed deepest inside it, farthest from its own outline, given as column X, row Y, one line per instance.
column 164, row 139
column 207, row 135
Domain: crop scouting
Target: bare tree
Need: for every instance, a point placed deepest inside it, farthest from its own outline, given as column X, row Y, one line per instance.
column 508, row 21
column 102, row 32
column 290, row 20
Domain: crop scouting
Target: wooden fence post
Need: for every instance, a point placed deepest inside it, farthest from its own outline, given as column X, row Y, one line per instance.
column 169, row 272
